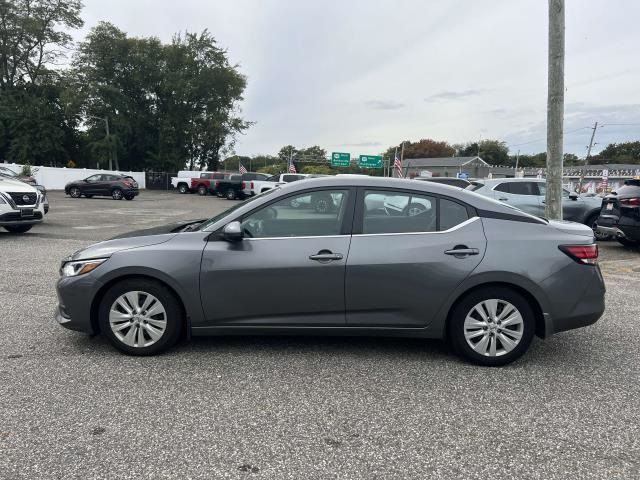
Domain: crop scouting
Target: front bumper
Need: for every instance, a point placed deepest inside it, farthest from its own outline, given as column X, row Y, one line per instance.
column 75, row 302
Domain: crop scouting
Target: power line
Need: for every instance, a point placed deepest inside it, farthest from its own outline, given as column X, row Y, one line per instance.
column 543, row 139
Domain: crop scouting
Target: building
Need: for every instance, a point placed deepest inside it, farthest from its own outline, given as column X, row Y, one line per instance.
column 473, row 167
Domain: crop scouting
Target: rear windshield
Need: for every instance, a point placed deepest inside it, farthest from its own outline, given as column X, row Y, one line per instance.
column 475, row 186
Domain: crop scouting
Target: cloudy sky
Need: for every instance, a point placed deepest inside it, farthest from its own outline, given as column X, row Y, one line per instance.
column 361, row 75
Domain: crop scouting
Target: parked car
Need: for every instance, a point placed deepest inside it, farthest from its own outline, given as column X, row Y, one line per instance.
column 21, row 205
column 260, row 186
column 528, row 194
column 447, row 270
column 620, row 214
column 23, row 178
column 40, row 188
column 206, row 182
column 111, row 185
column 239, row 186
column 453, row 181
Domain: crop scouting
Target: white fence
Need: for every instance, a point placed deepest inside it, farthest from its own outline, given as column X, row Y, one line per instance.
column 54, row 178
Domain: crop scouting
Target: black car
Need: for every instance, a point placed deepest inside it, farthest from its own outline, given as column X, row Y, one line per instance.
column 104, row 185
column 620, row 214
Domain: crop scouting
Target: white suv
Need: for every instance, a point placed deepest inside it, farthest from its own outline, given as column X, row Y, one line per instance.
column 21, row 205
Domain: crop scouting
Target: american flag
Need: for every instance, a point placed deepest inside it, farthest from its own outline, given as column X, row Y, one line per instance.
column 242, row 169
column 292, row 168
column 397, row 166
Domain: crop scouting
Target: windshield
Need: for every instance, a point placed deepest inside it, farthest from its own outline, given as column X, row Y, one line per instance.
column 228, row 211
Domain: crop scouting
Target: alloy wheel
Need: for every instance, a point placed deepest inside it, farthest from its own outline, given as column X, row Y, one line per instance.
column 493, row 328
column 74, row 192
column 117, row 194
column 137, row 319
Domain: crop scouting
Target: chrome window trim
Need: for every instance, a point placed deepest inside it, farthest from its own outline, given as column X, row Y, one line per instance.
column 295, row 238
column 452, row 229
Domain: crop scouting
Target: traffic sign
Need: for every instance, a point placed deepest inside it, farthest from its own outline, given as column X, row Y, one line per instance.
column 340, row 159
column 370, row 161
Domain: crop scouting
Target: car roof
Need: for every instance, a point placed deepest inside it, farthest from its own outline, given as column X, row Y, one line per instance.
column 494, row 181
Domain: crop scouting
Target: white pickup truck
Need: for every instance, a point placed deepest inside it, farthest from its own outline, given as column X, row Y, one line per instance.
column 259, row 186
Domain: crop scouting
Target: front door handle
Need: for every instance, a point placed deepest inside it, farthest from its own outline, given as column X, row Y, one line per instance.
column 325, row 256
column 503, row 199
column 462, row 251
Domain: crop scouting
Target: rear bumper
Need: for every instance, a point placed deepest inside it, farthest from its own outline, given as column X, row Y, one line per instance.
column 622, row 231
column 577, row 299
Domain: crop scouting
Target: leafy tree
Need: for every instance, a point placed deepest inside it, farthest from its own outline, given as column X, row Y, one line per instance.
column 626, row 152
column 287, row 152
column 494, row 152
column 424, row 148
column 312, row 153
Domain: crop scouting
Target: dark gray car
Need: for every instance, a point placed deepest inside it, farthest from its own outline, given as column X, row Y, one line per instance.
column 387, row 257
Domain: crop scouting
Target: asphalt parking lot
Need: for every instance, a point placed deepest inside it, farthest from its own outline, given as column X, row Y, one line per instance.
column 298, row 407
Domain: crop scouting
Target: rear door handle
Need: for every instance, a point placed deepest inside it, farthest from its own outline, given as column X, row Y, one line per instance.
column 503, row 199
column 462, row 251
column 325, row 256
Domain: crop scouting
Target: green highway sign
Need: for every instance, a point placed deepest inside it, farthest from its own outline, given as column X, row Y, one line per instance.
column 340, row 159
column 370, row 161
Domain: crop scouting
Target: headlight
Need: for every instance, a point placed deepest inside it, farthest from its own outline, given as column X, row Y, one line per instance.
column 72, row 269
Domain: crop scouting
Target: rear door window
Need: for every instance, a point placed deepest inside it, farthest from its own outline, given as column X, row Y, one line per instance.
column 452, row 214
column 523, row 188
column 398, row 212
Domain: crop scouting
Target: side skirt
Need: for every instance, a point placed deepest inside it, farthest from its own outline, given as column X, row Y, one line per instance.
column 320, row 331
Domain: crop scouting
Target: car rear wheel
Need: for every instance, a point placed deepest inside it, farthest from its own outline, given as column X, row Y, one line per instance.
column 116, row 194
column 628, row 243
column 592, row 222
column 18, row 228
column 492, row 326
column 202, row 190
column 75, row 192
column 182, row 188
column 140, row 317
column 231, row 194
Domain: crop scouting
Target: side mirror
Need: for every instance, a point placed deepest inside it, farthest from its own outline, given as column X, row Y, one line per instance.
column 232, row 232
column 573, row 196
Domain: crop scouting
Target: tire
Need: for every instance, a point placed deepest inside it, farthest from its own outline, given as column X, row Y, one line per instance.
column 129, row 197
column 18, row 228
column 627, row 242
column 491, row 333
column 74, row 192
column 116, row 194
column 202, row 190
column 592, row 222
column 182, row 188
column 119, row 337
column 89, row 196
column 231, row 194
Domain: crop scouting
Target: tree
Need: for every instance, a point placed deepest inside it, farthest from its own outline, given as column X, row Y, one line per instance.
column 168, row 105
column 626, row 152
column 312, row 153
column 34, row 35
column 494, row 152
column 34, row 125
column 424, row 148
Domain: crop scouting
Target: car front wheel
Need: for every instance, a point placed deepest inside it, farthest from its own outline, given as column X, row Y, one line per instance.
column 75, row 192
column 182, row 188
column 140, row 317
column 492, row 326
column 231, row 194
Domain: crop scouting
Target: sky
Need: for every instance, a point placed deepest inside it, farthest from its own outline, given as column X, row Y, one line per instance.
column 359, row 76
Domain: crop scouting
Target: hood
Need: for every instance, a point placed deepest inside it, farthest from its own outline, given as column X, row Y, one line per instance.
column 572, row 228
column 136, row 239
column 11, row 185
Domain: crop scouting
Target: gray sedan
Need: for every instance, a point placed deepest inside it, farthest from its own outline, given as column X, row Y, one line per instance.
column 390, row 257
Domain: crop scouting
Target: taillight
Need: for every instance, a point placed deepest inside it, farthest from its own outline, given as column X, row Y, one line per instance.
column 244, row 185
column 630, row 202
column 587, row 254
column 251, row 185
column 127, row 183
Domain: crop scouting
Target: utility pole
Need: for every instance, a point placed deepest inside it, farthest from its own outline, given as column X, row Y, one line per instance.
column 555, row 110
column 586, row 160
column 402, row 157
column 517, row 158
